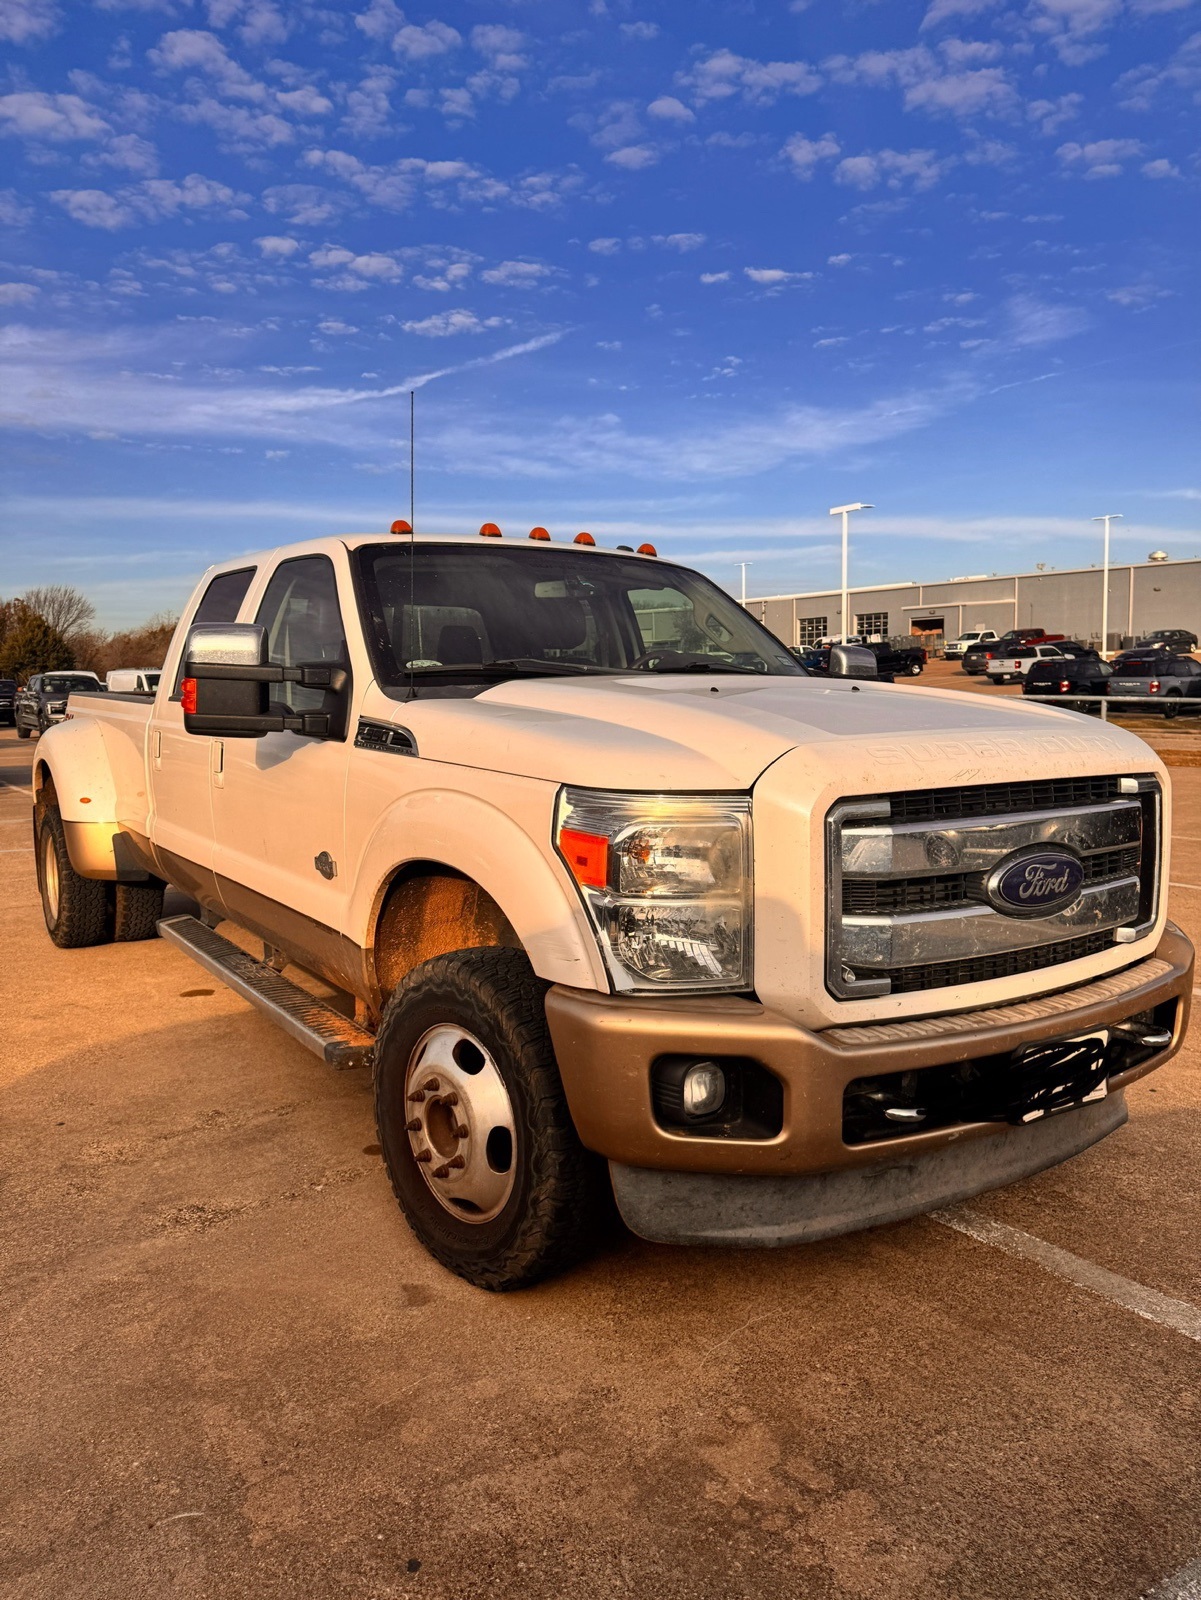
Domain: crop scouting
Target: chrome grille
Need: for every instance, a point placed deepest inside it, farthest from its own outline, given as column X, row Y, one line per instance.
column 907, row 900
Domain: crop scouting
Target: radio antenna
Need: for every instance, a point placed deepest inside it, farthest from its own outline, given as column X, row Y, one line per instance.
column 412, row 542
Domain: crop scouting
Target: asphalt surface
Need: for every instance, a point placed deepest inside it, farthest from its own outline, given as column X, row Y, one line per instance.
column 229, row 1370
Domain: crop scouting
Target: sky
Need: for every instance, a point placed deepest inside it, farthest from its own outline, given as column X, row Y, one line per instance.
column 691, row 272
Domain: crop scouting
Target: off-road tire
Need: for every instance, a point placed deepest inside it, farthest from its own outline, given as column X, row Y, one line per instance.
column 81, row 916
column 136, row 909
column 22, row 731
column 560, row 1199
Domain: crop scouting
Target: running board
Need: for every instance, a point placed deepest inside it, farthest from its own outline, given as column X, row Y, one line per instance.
column 326, row 1032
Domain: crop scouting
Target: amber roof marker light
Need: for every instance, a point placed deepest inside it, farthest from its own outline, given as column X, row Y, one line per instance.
column 539, row 533
column 647, row 550
column 401, row 526
column 583, row 538
column 490, row 531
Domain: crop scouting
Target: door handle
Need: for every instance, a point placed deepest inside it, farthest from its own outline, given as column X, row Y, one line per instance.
column 157, row 747
column 217, row 763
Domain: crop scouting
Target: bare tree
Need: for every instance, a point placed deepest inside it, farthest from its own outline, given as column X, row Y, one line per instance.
column 64, row 608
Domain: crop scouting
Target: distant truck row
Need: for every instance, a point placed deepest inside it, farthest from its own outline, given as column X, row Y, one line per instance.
column 43, row 700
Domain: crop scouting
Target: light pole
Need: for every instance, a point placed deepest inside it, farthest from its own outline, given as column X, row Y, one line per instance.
column 1110, row 516
column 845, row 513
column 744, row 565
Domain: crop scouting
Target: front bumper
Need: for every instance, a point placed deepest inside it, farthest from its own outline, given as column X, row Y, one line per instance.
column 606, row 1046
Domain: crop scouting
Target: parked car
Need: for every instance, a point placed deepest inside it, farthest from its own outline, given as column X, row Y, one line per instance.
column 8, row 697
column 955, row 648
column 1029, row 636
column 43, row 700
column 976, row 657
column 1178, row 640
column 1016, row 661
column 1164, row 681
column 1081, row 674
column 900, row 661
column 816, row 659
column 622, row 916
column 133, row 680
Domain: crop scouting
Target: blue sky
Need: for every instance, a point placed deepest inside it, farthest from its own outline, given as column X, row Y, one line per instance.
column 689, row 272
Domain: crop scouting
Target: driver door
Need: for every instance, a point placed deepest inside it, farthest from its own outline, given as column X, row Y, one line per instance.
column 279, row 801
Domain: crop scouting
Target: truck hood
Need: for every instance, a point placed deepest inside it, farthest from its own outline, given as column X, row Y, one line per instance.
column 648, row 732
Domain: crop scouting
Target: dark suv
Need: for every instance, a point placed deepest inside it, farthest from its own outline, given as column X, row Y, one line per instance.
column 8, row 696
column 1162, row 682
column 43, row 700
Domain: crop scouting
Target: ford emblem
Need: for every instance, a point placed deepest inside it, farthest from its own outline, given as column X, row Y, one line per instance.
column 1036, row 883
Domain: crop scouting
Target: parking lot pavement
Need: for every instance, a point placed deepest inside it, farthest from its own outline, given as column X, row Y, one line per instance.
column 230, row 1371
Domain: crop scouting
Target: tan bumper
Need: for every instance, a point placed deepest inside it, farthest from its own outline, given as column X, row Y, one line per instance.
column 606, row 1045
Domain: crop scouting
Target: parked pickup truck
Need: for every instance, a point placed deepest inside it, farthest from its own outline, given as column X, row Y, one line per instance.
column 624, row 904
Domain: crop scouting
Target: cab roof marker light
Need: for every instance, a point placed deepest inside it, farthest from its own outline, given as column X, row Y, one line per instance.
column 401, row 526
column 647, row 550
column 583, row 538
column 539, row 533
column 490, row 531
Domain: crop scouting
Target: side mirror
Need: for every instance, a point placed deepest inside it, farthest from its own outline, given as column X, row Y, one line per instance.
column 225, row 689
column 853, row 661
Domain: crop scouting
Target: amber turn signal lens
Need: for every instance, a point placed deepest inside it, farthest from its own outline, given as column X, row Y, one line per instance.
column 587, row 856
column 583, row 538
column 187, row 696
column 401, row 526
column 647, row 550
column 490, row 531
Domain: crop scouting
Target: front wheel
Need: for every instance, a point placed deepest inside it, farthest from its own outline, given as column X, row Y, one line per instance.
column 474, row 1127
column 915, row 670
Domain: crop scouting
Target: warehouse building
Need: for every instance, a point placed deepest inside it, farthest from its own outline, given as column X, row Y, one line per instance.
column 1156, row 593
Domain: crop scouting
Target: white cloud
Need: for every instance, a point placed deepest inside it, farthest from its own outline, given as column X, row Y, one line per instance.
column 723, row 74
column 839, row 260
column 431, row 39
column 941, row 10
column 27, row 21
column 501, row 46
column 332, row 326
column 517, row 274
column 1103, row 158
column 1033, row 322
column 605, row 247
column 804, row 154
column 768, row 277
column 14, row 212
column 128, row 151
column 1141, row 87
column 942, row 81
column 715, row 277
column 275, row 246
column 668, row 109
column 1071, row 26
column 353, row 271
column 633, row 157
column 260, row 21
column 149, row 201
column 18, row 294
column 368, row 109
column 1050, row 115
column 639, row 30
column 1160, row 168
column 891, row 167
column 55, row 117
column 683, row 242
column 444, row 324
column 304, row 102
column 381, row 20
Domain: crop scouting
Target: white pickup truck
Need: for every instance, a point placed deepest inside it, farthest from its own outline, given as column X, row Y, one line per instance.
column 621, row 902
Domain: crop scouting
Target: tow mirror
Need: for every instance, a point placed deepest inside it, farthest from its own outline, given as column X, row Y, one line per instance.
column 225, row 690
column 853, row 661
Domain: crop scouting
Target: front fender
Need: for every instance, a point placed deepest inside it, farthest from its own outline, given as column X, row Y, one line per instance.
column 476, row 838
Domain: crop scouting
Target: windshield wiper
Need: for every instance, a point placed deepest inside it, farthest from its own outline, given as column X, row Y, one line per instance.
column 523, row 666
column 703, row 666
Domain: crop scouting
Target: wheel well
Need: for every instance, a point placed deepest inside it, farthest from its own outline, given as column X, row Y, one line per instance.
column 429, row 910
column 43, row 785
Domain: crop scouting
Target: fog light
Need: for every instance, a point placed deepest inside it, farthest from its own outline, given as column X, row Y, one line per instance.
column 704, row 1089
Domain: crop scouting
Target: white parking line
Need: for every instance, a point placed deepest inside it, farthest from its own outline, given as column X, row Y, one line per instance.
column 1186, row 1585
column 1148, row 1303
column 1173, row 884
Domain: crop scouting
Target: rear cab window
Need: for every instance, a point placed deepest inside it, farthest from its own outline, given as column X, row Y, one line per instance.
column 220, row 602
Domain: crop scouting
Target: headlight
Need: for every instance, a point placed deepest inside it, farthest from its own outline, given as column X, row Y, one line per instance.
column 666, row 880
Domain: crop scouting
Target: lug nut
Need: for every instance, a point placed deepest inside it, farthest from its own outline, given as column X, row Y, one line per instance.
column 461, row 1131
column 423, row 1155
column 414, row 1126
column 431, row 1086
column 450, row 1099
column 456, row 1161
column 442, row 1171
column 417, row 1095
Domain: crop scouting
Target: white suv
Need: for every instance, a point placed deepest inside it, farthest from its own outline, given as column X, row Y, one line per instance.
column 1003, row 669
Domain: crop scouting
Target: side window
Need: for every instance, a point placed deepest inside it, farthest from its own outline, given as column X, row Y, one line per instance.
column 303, row 620
column 223, row 598
column 220, row 602
column 666, row 617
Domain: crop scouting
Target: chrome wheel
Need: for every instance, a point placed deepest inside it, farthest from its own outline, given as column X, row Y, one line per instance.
column 50, row 893
column 461, row 1126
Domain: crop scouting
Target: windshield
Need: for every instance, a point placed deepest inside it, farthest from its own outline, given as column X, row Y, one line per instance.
column 439, row 612
column 1143, row 669
column 64, row 683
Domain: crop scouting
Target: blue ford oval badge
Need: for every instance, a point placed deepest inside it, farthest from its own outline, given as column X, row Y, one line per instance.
column 1036, row 883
